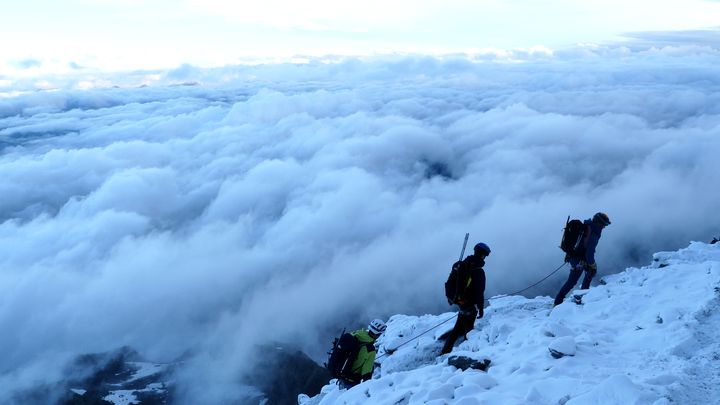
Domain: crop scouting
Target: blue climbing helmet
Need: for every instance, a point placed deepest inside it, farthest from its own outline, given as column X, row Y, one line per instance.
column 482, row 248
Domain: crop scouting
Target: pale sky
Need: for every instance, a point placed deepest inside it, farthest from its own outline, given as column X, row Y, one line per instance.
column 140, row 34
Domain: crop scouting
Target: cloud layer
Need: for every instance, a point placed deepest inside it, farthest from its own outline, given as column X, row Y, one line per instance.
column 282, row 202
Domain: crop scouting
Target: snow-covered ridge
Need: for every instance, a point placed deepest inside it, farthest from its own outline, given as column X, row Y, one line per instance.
column 643, row 336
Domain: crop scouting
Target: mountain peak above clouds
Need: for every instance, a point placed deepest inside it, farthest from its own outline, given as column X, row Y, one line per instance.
column 643, row 336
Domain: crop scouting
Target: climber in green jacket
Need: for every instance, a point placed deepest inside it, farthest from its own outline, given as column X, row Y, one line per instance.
column 362, row 367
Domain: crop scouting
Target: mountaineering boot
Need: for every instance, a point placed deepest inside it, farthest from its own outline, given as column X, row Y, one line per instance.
column 448, row 346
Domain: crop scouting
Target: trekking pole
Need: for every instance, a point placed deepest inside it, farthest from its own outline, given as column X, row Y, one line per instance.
column 462, row 252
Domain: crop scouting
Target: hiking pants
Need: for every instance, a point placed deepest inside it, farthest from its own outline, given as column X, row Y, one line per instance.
column 573, row 278
column 465, row 323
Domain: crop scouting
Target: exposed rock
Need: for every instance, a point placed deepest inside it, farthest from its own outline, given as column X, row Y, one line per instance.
column 289, row 372
column 102, row 378
column 563, row 346
column 464, row 363
column 121, row 376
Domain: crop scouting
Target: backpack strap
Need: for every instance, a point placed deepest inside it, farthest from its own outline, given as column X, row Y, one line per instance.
column 586, row 236
column 582, row 244
column 461, row 291
column 460, row 268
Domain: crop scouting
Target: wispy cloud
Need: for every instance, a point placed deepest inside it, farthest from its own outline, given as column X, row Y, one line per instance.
column 26, row 63
column 707, row 37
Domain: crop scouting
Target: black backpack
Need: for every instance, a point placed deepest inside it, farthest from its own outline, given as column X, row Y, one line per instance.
column 457, row 283
column 343, row 354
column 571, row 238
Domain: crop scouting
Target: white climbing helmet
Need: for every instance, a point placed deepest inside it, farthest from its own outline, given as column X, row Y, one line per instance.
column 377, row 326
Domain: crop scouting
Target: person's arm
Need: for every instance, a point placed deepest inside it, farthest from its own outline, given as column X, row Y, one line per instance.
column 588, row 245
column 480, row 292
column 590, row 249
column 368, row 364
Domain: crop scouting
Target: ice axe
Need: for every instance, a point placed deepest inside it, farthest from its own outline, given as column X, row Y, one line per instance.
column 462, row 252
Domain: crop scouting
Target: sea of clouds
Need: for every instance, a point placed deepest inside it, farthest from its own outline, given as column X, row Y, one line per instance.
column 199, row 212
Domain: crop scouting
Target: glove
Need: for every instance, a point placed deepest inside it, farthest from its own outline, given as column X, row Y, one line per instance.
column 481, row 312
column 450, row 301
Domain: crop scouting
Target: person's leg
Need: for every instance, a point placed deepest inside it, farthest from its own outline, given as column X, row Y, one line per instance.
column 465, row 323
column 468, row 321
column 569, row 284
column 345, row 385
column 589, row 274
column 454, row 334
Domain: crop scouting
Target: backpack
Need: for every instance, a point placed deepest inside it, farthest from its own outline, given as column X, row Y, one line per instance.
column 571, row 238
column 457, row 283
column 343, row 354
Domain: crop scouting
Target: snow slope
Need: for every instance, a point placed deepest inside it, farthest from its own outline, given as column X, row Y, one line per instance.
column 643, row 336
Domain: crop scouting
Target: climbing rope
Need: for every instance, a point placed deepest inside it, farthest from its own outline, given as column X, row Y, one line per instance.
column 418, row 336
column 455, row 316
column 543, row 279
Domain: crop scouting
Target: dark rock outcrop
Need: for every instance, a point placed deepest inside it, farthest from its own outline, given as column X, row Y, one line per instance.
column 464, row 363
column 91, row 378
column 287, row 373
column 121, row 376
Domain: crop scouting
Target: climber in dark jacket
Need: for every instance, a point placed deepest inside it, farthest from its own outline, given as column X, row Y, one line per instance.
column 473, row 297
column 584, row 259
